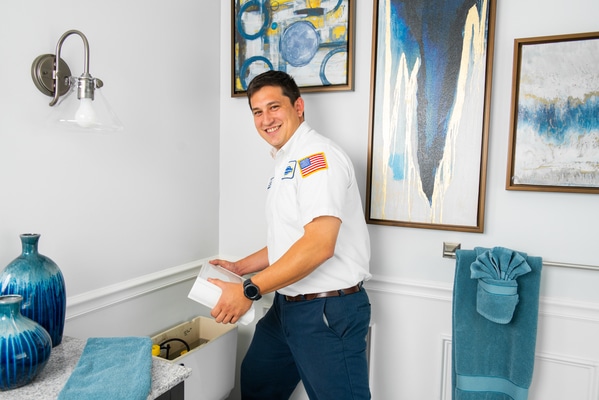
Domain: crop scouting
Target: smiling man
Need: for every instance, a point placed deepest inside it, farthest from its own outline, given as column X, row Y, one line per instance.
column 315, row 260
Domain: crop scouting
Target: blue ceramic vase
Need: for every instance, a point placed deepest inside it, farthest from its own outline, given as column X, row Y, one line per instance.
column 24, row 345
column 40, row 282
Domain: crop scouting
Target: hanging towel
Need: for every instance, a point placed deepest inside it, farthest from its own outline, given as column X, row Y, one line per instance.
column 497, row 287
column 495, row 312
column 113, row 368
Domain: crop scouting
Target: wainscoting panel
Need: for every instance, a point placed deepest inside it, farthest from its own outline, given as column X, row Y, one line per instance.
column 555, row 376
column 407, row 350
column 412, row 344
column 561, row 377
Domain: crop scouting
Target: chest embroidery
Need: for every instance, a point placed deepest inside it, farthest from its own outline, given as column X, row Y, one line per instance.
column 289, row 170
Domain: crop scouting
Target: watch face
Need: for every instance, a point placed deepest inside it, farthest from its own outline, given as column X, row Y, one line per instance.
column 251, row 291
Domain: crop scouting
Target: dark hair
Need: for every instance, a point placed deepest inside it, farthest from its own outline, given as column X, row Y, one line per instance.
column 274, row 78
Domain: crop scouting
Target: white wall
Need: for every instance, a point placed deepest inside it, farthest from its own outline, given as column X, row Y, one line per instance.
column 116, row 212
column 116, row 206
column 411, row 289
column 556, row 226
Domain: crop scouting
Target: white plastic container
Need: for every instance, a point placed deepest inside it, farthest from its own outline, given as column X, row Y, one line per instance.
column 207, row 293
column 212, row 356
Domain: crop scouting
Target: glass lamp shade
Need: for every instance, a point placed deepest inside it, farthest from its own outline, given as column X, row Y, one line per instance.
column 84, row 114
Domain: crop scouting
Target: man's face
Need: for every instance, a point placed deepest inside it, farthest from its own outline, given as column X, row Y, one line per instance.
column 276, row 119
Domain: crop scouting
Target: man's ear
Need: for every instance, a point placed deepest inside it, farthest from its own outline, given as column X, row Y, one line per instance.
column 299, row 107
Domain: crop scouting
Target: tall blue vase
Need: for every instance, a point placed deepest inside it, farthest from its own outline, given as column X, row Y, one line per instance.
column 24, row 345
column 40, row 282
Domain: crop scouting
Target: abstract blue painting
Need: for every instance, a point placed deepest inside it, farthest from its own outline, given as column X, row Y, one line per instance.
column 555, row 115
column 312, row 40
column 429, row 113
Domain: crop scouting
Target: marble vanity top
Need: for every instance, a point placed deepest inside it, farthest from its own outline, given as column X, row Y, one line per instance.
column 63, row 359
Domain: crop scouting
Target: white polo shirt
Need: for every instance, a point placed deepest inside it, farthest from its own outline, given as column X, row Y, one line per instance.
column 314, row 177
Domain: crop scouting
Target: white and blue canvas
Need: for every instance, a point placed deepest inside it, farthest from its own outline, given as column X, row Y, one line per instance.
column 557, row 136
column 428, row 113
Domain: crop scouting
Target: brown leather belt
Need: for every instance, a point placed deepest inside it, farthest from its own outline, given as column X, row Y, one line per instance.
column 332, row 293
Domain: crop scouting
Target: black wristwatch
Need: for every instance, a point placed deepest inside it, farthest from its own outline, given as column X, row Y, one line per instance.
column 251, row 291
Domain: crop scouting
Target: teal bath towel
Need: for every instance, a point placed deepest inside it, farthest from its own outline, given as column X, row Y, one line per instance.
column 495, row 313
column 114, row 368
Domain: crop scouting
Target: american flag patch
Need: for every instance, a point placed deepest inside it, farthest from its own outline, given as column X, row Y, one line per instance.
column 313, row 163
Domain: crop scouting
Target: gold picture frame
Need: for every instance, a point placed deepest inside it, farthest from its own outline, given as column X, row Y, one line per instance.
column 429, row 114
column 554, row 138
column 314, row 44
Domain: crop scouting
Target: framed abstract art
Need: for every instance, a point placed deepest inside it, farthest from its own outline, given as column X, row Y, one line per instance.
column 429, row 113
column 554, row 142
column 312, row 40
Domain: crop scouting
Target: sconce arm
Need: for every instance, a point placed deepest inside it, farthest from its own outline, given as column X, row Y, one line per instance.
column 55, row 73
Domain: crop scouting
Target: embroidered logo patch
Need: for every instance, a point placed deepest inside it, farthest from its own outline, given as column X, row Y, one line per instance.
column 289, row 170
column 313, row 163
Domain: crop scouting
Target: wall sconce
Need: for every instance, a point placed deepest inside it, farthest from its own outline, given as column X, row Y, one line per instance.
column 87, row 109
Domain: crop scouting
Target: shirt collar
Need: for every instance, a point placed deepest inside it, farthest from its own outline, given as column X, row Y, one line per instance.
column 300, row 131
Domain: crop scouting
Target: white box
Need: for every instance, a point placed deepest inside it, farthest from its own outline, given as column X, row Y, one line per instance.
column 207, row 293
column 212, row 356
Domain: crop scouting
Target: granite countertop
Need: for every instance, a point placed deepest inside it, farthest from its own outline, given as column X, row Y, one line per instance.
column 63, row 359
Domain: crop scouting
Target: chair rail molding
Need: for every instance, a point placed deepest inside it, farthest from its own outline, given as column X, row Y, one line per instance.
column 548, row 306
column 107, row 296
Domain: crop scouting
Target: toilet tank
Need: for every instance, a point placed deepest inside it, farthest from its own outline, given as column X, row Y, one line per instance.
column 209, row 349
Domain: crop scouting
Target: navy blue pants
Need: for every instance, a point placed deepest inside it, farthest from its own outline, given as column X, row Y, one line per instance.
column 321, row 341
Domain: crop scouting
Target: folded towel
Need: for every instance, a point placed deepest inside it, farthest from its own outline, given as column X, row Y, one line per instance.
column 497, row 293
column 115, row 368
column 493, row 361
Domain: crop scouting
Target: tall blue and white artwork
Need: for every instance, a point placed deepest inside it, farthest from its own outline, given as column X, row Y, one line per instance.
column 556, row 137
column 428, row 113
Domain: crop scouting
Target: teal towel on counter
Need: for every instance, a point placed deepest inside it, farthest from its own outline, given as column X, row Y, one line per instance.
column 495, row 313
column 113, row 368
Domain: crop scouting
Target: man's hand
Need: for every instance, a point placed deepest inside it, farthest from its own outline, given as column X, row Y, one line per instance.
column 232, row 304
column 228, row 265
column 253, row 263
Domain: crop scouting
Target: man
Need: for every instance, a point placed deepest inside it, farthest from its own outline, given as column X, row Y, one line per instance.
column 315, row 259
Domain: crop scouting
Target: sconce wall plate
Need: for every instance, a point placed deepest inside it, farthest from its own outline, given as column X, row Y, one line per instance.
column 42, row 73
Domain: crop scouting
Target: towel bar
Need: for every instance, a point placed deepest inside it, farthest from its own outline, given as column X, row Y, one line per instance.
column 450, row 253
column 567, row 265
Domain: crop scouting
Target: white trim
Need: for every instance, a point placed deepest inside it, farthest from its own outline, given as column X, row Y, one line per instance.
column 548, row 306
column 587, row 365
column 446, row 384
column 104, row 297
column 566, row 308
column 424, row 289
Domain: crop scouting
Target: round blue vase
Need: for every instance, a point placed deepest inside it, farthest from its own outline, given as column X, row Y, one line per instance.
column 24, row 345
column 40, row 282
